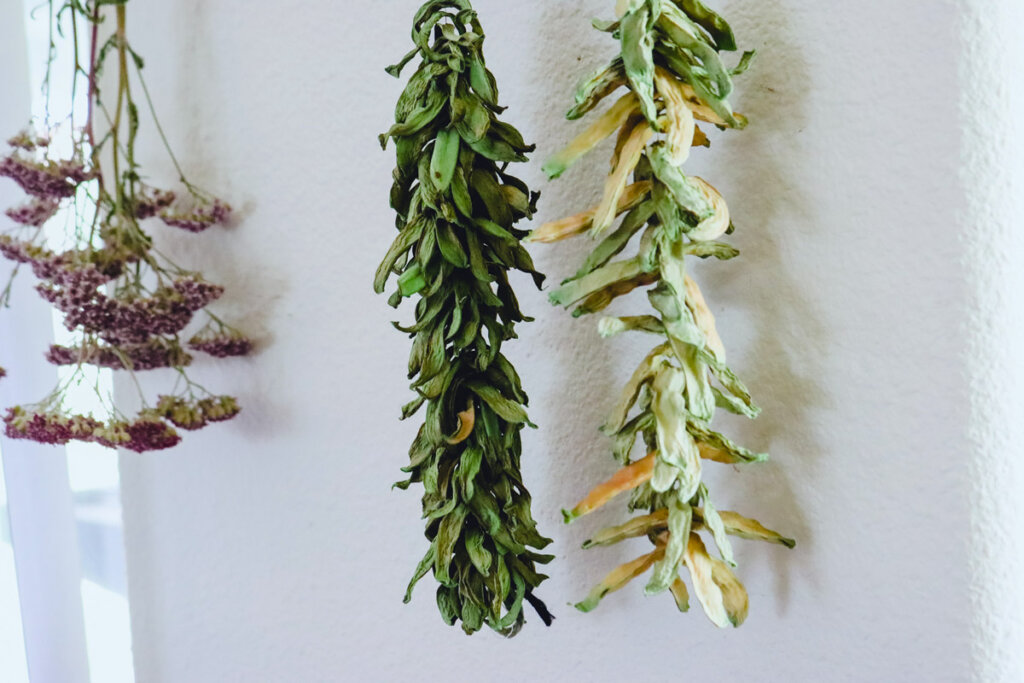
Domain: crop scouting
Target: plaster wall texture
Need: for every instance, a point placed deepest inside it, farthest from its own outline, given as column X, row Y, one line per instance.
column 993, row 178
column 861, row 314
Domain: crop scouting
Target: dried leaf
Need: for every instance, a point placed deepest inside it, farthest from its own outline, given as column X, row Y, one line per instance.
column 466, row 420
column 638, row 57
column 554, row 231
column 681, row 595
column 597, row 87
column 675, row 445
column 681, row 126
column 603, row 127
column 751, row 529
column 615, row 186
column 709, row 593
column 717, row 528
column 618, row 579
column 634, row 528
column 666, row 571
column 627, row 478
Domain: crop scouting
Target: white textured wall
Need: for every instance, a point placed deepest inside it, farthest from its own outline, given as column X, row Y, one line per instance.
column 272, row 549
column 993, row 177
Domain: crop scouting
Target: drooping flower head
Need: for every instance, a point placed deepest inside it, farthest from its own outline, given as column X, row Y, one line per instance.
column 80, row 232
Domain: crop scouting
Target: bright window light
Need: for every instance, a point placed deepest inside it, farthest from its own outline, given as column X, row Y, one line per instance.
column 92, row 469
column 13, row 667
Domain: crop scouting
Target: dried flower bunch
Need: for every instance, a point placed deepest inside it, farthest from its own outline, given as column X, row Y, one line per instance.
column 80, row 232
column 671, row 64
column 457, row 207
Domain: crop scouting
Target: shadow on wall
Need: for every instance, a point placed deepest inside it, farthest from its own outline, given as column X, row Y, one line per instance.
column 585, row 368
column 784, row 356
column 204, row 107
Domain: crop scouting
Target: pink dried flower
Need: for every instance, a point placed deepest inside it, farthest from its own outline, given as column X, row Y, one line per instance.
column 180, row 412
column 42, row 427
column 14, row 250
column 116, row 321
column 127, row 302
column 77, row 280
column 150, row 434
column 112, row 435
column 222, row 345
column 64, row 355
column 21, row 251
column 46, row 265
column 83, row 428
column 140, row 319
column 220, row 408
column 198, row 218
column 46, row 179
column 51, row 428
column 27, row 141
column 69, row 268
column 151, row 201
column 35, row 212
column 194, row 415
column 196, row 292
column 151, row 355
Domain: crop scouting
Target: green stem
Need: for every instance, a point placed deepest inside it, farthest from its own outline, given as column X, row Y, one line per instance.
column 93, row 48
column 5, row 297
column 49, row 63
column 163, row 136
column 122, row 88
column 78, row 66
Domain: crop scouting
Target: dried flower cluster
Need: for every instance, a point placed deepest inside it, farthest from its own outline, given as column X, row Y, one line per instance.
column 671, row 64
column 457, row 207
column 128, row 305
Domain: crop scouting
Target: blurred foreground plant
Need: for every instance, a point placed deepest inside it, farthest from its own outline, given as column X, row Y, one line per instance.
column 80, row 232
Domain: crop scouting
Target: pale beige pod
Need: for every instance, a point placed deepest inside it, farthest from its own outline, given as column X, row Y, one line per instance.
column 718, row 224
column 682, row 126
column 705, row 318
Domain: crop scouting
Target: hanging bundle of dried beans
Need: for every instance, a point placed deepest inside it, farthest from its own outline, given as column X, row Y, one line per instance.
column 670, row 62
column 81, row 234
column 457, row 207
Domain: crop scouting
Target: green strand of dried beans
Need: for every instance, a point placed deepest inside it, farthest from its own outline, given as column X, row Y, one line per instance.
column 670, row 62
column 457, row 207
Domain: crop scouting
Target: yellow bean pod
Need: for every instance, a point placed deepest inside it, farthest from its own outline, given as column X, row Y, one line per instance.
column 626, row 479
column 619, row 578
column 554, row 231
column 602, row 128
column 615, row 186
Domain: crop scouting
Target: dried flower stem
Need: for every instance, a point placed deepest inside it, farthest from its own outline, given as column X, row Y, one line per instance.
column 127, row 303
